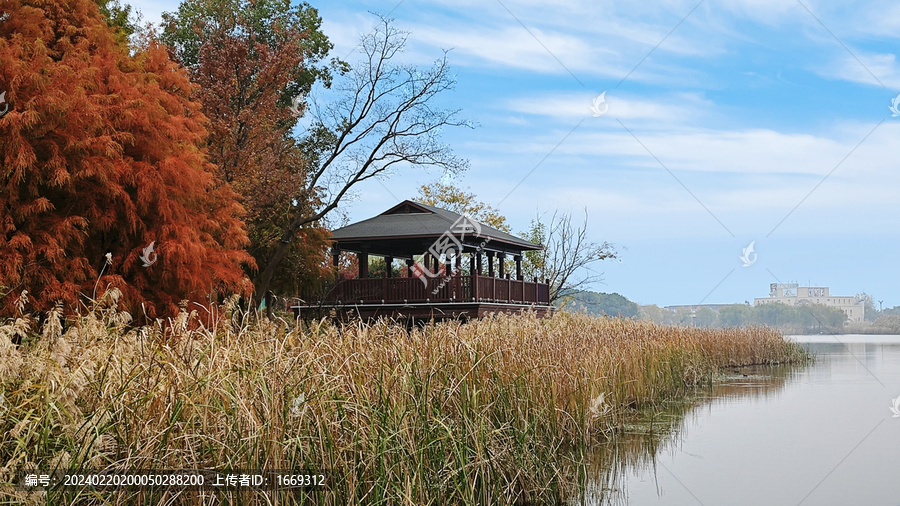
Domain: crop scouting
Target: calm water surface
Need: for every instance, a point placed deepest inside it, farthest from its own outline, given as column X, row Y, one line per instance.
column 819, row 435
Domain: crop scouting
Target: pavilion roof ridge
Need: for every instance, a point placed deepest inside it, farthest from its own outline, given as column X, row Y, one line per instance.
column 427, row 221
column 452, row 216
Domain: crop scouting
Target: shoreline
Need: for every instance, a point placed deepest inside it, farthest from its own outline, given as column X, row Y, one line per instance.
column 845, row 338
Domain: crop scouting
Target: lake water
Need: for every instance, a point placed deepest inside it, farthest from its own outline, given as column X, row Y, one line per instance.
column 823, row 434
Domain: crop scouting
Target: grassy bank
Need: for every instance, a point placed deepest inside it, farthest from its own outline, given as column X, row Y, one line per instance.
column 490, row 412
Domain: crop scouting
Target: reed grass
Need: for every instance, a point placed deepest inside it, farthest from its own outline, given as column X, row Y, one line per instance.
column 500, row 410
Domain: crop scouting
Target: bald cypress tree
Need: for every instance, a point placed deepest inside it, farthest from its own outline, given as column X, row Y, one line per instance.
column 100, row 157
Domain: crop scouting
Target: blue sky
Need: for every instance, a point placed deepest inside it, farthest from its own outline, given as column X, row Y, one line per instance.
column 729, row 121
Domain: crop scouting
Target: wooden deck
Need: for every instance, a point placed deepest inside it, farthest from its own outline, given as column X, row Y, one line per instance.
column 453, row 297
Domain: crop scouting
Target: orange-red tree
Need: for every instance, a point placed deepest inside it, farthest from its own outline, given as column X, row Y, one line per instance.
column 100, row 153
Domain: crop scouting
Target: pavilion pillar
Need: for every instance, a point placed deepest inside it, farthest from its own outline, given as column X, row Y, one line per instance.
column 409, row 267
column 518, row 259
column 490, row 255
column 458, row 268
column 363, row 260
column 472, row 263
column 501, row 259
column 478, row 262
column 389, row 266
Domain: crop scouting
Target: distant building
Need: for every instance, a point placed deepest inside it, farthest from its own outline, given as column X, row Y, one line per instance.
column 792, row 294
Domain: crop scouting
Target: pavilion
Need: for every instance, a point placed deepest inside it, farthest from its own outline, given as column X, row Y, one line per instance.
column 438, row 286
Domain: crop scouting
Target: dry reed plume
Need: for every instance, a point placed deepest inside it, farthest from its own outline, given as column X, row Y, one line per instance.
column 493, row 411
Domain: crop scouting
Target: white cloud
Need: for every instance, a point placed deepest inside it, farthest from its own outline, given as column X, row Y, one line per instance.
column 880, row 19
column 882, row 66
column 676, row 108
column 585, row 38
column 749, row 179
column 752, row 151
column 770, row 12
column 512, row 46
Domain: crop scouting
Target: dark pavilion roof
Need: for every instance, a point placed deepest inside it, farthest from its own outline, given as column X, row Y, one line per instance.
column 411, row 227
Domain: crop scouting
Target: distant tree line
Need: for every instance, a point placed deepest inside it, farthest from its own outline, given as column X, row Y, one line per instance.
column 806, row 318
column 799, row 319
column 812, row 318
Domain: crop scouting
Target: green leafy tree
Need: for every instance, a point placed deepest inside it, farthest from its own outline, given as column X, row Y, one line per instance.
column 378, row 267
column 705, row 317
column 894, row 311
column 827, row 318
column 608, row 304
column 734, row 315
column 451, row 198
column 888, row 324
column 683, row 316
column 268, row 24
column 251, row 59
column 871, row 313
column 121, row 17
column 773, row 314
column 654, row 313
column 804, row 318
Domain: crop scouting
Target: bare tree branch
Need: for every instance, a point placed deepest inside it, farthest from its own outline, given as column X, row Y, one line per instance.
column 383, row 118
column 567, row 251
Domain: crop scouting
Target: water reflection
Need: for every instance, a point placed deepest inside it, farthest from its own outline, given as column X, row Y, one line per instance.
column 659, row 430
column 818, row 434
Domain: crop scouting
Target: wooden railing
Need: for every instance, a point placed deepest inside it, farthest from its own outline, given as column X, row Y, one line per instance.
column 454, row 288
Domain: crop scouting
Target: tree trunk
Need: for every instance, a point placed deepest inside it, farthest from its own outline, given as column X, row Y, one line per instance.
column 269, row 271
